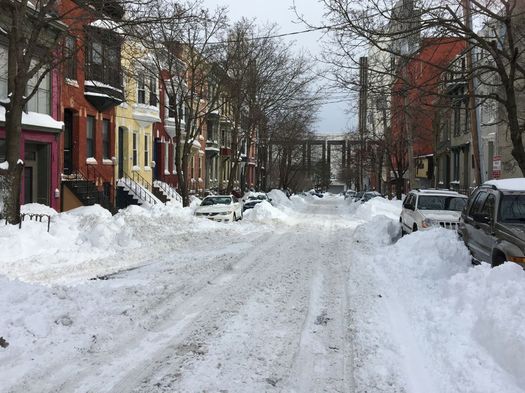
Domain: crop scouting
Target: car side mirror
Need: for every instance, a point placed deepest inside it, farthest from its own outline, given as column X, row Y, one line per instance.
column 481, row 218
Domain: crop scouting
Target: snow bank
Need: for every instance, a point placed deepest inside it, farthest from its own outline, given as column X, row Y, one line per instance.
column 37, row 208
column 438, row 324
column 264, row 212
column 88, row 241
column 379, row 230
column 378, row 206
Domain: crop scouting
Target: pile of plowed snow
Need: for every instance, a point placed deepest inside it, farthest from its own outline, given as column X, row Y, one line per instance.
column 378, row 206
column 448, row 324
column 89, row 241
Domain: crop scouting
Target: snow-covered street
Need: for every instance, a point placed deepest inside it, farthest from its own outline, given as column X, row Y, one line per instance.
column 310, row 295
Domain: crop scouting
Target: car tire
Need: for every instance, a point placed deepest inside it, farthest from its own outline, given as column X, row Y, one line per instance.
column 234, row 217
column 414, row 229
column 498, row 259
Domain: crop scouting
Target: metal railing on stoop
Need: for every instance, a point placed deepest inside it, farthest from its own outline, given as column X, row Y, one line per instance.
column 168, row 190
column 140, row 187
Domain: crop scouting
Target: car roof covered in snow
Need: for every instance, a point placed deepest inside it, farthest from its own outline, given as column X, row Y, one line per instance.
column 517, row 184
column 430, row 191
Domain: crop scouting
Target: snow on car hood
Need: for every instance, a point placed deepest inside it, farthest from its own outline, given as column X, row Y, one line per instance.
column 214, row 209
column 441, row 215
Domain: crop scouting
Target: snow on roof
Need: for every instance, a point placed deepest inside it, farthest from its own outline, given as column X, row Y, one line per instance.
column 107, row 24
column 517, row 184
column 35, row 119
column 101, row 84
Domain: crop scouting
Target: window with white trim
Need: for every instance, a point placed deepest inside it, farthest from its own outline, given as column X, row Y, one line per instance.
column 146, row 150
column 135, row 149
column 106, row 128
column 166, row 157
column 90, row 137
column 141, row 89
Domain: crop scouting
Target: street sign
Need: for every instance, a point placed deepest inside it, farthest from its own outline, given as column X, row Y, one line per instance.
column 496, row 167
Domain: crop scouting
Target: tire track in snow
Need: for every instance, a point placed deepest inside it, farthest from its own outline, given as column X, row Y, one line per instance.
column 66, row 373
column 199, row 316
column 323, row 360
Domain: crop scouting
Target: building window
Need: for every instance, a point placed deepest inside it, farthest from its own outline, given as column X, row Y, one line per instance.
column 166, row 158
column 141, row 89
column 41, row 100
column 96, row 53
column 103, row 61
column 70, row 65
column 2, row 150
column 209, row 130
column 172, row 102
column 135, row 150
column 106, row 139
column 455, row 165
column 200, row 167
column 153, row 91
column 146, row 150
column 90, row 137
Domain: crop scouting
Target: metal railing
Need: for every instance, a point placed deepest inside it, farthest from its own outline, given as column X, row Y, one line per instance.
column 140, row 187
column 168, row 190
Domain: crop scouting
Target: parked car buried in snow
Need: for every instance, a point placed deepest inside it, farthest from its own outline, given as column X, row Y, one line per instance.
column 493, row 223
column 424, row 209
column 254, row 199
column 223, row 208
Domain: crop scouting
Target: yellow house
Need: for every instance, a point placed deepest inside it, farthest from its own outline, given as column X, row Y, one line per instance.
column 134, row 143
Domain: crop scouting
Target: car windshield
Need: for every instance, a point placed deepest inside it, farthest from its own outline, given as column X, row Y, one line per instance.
column 208, row 201
column 369, row 196
column 512, row 208
column 441, row 202
column 359, row 194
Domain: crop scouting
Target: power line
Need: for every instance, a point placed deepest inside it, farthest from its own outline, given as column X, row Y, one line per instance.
column 292, row 33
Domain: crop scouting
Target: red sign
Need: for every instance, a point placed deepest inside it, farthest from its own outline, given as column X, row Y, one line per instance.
column 496, row 167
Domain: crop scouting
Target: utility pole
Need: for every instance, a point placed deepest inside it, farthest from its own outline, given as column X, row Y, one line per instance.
column 471, row 92
column 363, row 102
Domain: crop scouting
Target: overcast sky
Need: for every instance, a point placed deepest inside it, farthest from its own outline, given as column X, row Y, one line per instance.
column 332, row 117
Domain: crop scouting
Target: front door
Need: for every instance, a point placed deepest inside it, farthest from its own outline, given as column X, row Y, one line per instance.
column 37, row 173
column 68, row 142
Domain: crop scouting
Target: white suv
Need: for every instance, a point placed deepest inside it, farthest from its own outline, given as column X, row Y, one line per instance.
column 424, row 209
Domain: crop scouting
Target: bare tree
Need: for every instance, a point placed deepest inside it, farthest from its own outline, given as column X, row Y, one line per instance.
column 291, row 130
column 35, row 30
column 492, row 30
column 265, row 80
column 183, row 48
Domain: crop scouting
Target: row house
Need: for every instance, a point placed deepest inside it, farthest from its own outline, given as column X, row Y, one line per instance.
column 40, row 134
column 415, row 106
column 101, row 127
column 430, row 109
column 456, row 165
column 91, row 88
column 454, row 159
column 135, row 118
